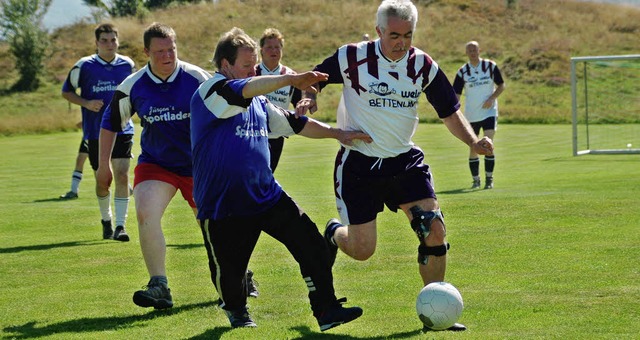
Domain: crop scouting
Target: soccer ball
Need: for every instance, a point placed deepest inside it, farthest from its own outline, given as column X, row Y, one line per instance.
column 439, row 305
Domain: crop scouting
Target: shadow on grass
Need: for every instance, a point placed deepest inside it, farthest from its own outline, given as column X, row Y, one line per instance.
column 185, row 246
column 54, row 199
column 48, row 246
column 307, row 333
column 101, row 324
column 458, row 191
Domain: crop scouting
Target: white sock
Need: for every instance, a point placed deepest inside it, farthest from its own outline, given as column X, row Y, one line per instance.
column 75, row 180
column 121, row 205
column 105, row 207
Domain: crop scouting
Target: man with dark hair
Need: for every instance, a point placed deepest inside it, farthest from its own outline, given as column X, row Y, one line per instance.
column 97, row 77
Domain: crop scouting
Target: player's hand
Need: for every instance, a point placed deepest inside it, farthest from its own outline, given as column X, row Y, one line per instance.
column 306, row 81
column 304, row 105
column 348, row 137
column 484, row 146
column 94, row 105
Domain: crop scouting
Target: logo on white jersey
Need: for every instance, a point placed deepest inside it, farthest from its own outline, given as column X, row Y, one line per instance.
column 381, row 89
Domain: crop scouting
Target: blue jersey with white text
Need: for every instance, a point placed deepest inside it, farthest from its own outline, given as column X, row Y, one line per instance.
column 163, row 108
column 98, row 79
column 229, row 137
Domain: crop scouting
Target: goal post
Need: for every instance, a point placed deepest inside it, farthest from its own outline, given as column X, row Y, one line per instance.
column 605, row 100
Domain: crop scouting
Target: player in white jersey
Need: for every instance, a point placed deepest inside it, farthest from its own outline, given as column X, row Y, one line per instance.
column 271, row 49
column 482, row 83
column 96, row 76
column 234, row 188
column 381, row 82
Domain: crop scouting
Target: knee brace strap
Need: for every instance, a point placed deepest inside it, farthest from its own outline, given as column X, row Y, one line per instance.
column 422, row 220
column 425, row 251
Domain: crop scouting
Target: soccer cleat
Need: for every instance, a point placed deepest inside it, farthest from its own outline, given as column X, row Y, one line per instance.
column 329, row 230
column 336, row 315
column 107, row 229
column 457, row 327
column 488, row 183
column 252, row 289
column 120, row 234
column 154, row 294
column 240, row 318
column 69, row 196
column 476, row 184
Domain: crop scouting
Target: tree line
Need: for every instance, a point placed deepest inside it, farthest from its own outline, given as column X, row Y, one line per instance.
column 22, row 28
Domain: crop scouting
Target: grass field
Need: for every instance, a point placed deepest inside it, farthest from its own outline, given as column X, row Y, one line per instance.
column 551, row 252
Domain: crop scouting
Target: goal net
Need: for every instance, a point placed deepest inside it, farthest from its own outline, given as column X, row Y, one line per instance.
column 605, row 94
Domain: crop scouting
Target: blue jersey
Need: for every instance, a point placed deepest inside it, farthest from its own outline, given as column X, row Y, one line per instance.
column 163, row 108
column 229, row 137
column 98, row 79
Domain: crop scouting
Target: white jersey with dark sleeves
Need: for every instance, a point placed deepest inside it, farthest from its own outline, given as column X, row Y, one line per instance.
column 478, row 83
column 380, row 96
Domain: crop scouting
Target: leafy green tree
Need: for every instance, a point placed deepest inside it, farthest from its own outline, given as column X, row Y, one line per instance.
column 21, row 26
column 123, row 8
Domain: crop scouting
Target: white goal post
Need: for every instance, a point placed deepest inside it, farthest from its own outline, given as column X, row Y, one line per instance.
column 605, row 100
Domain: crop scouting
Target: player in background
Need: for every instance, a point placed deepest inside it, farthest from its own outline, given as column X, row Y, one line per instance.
column 271, row 49
column 159, row 94
column 76, row 177
column 381, row 83
column 237, row 195
column 482, row 83
column 96, row 76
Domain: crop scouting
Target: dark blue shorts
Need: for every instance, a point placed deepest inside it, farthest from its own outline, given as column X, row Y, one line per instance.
column 84, row 146
column 490, row 123
column 364, row 185
column 121, row 149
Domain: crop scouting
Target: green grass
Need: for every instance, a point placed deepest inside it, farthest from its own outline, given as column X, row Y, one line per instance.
column 551, row 252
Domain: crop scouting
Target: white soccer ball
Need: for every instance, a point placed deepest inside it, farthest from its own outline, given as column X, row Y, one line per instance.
column 439, row 305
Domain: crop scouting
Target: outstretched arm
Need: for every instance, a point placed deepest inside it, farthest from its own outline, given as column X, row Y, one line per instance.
column 317, row 129
column 265, row 84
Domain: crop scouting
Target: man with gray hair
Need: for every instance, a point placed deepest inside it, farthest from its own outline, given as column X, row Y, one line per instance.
column 381, row 83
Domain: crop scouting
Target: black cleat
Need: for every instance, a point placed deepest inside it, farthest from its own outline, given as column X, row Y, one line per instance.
column 476, row 184
column 488, row 183
column 329, row 230
column 120, row 234
column 107, row 229
column 154, row 294
column 240, row 318
column 69, row 196
column 336, row 315
column 252, row 289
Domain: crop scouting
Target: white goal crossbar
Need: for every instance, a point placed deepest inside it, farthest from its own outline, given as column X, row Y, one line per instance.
column 630, row 149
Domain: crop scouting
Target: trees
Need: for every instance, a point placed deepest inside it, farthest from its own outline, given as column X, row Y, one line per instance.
column 123, row 8
column 21, row 26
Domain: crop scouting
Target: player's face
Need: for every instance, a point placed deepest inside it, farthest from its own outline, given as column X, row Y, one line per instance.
column 107, row 45
column 271, row 52
column 163, row 56
column 244, row 66
column 473, row 51
column 396, row 38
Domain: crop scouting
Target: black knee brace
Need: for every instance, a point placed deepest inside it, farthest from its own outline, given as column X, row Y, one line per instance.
column 421, row 225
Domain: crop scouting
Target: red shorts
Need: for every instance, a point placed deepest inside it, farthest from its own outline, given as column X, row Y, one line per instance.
column 147, row 171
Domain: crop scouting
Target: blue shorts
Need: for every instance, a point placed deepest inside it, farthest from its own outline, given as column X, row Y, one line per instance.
column 364, row 185
column 490, row 123
column 121, row 149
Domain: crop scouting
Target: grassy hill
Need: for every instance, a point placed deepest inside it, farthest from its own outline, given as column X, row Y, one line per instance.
column 532, row 43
